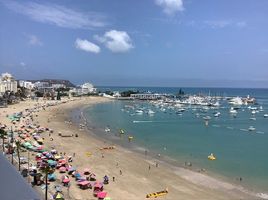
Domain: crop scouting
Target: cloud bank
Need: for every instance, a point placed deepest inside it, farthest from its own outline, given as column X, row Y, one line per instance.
column 116, row 41
column 85, row 45
column 170, row 7
column 57, row 15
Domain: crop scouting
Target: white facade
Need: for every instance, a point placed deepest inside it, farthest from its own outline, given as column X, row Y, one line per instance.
column 8, row 83
column 27, row 84
column 86, row 88
column 39, row 84
column 58, row 85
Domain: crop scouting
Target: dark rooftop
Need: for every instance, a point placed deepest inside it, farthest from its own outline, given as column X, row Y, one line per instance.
column 12, row 184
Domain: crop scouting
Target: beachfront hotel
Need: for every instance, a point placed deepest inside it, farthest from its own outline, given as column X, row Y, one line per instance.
column 7, row 83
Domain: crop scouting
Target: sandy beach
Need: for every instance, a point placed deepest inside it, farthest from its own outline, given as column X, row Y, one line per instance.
column 136, row 178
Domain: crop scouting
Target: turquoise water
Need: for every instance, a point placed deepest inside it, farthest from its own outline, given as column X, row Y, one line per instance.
column 239, row 152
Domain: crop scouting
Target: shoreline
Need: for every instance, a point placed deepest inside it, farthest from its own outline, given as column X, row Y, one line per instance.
column 137, row 180
column 179, row 169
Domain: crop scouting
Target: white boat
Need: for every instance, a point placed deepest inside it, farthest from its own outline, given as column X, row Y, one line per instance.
column 236, row 101
column 207, row 118
column 251, row 128
column 150, row 112
column 253, row 112
column 233, row 111
column 265, row 115
column 139, row 112
column 217, row 114
column 107, row 129
column 253, row 118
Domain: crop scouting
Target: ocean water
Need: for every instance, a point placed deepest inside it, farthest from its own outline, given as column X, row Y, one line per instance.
column 185, row 138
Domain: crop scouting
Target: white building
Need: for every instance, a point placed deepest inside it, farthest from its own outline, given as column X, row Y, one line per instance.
column 58, row 85
column 7, row 83
column 86, row 88
column 39, row 84
column 27, row 84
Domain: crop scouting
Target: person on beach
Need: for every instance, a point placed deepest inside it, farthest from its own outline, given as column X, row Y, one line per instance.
column 149, row 167
column 120, row 172
column 156, row 165
column 113, row 178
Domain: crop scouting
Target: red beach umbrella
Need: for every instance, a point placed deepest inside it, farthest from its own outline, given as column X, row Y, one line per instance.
column 101, row 195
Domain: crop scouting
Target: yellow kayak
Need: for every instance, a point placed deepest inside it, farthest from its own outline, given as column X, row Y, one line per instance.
column 157, row 194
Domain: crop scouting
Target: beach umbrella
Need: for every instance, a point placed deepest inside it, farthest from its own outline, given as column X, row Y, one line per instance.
column 59, row 196
column 51, row 177
column 58, row 188
column 92, row 176
column 84, row 183
column 52, row 163
column 57, row 157
column 71, row 170
column 86, row 171
column 98, row 184
column 53, row 151
column 101, row 195
column 81, row 178
column 62, row 161
column 65, row 179
column 62, row 169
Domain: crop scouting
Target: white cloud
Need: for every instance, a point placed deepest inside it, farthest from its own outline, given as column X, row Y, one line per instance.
column 218, row 23
column 85, row 45
column 170, row 7
column 225, row 23
column 116, row 41
column 57, row 15
column 241, row 24
column 22, row 64
column 34, row 40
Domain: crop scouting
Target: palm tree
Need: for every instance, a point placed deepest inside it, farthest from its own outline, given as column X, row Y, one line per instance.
column 18, row 145
column 46, row 170
column 3, row 133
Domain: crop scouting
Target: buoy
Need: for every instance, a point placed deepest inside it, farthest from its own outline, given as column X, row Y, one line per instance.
column 211, row 157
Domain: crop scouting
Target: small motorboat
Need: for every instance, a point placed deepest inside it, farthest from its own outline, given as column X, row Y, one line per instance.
column 251, row 128
column 217, row 114
column 107, row 129
column 265, row 115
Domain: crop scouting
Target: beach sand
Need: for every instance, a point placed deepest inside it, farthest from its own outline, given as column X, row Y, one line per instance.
column 136, row 179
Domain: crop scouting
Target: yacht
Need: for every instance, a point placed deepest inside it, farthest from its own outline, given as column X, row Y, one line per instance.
column 236, row 101
column 251, row 128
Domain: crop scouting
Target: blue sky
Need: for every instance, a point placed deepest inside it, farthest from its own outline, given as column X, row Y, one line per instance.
column 180, row 43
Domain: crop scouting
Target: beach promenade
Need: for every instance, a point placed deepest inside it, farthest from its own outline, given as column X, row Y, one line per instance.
column 132, row 175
